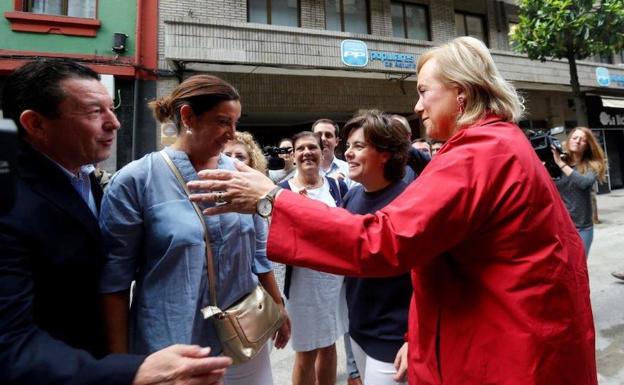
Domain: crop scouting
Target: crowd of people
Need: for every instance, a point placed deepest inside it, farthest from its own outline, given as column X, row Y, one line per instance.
column 453, row 259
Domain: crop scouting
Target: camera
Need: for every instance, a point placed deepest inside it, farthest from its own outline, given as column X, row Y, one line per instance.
column 274, row 162
column 8, row 163
column 543, row 142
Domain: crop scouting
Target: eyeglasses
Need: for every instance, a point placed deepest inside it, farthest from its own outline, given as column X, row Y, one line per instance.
column 287, row 150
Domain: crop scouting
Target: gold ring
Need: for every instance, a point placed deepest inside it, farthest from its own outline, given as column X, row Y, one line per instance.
column 219, row 197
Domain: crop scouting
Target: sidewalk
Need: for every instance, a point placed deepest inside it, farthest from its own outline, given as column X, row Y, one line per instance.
column 607, row 296
column 607, row 293
column 282, row 363
column 282, row 360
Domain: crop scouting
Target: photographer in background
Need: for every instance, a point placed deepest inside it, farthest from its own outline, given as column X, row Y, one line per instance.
column 580, row 169
column 289, row 165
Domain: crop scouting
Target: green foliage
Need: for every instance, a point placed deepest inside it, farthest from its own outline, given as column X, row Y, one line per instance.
column 561, row 28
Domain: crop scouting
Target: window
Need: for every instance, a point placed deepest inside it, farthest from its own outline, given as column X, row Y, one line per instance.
column 605, row 59
column 512, row 28
column 410, row 21
column 73, row 8
column 346, row 15
column 278, row 12
column 470, row 25
column 62, row 17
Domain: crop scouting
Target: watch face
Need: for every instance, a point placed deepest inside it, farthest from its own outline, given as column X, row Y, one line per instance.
column 264, row 207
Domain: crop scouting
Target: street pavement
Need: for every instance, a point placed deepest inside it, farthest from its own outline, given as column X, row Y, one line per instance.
column 607, row 293
column 607, row 296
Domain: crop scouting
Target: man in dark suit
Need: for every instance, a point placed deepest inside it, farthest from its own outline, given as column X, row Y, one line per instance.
column 51, row 328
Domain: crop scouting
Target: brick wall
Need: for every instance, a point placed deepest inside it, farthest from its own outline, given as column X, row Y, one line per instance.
column 313, row 14
column 227, row 10
column 289, row 93
column 380, row 18
column 442, row 16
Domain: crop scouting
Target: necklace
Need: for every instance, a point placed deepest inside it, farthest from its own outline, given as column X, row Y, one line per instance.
column 316, row 184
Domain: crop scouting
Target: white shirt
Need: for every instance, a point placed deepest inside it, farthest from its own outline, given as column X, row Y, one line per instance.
column 339, row 166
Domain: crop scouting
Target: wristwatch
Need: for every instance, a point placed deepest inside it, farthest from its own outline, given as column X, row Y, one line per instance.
column 264, row 206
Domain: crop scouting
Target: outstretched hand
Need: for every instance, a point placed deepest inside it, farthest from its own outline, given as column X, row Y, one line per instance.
column 182, row 365
column 232, row 191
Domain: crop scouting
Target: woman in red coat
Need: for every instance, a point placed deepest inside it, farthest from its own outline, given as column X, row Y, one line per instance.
column 501, row 292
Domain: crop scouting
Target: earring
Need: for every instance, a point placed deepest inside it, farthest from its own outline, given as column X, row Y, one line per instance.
column 460, row 105
column 189, row 131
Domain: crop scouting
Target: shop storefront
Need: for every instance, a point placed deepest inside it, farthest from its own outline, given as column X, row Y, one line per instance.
column 606, row 119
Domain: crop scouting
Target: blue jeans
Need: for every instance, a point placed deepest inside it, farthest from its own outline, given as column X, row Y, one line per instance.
column 587, row 235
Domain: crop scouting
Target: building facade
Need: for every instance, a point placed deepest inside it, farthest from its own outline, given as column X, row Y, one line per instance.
column 117, row 38
column 297, row 60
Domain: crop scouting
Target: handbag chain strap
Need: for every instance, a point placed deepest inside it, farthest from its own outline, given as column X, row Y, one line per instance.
column 209, row 257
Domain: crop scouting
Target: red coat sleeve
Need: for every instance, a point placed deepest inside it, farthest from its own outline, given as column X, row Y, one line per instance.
column 448, row 202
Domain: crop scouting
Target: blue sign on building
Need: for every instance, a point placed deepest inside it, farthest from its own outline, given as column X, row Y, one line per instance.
column 392, row 59
column 602, row 76
column 354, row 53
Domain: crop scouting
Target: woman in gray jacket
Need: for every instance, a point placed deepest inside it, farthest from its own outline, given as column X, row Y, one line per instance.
column 584, row 165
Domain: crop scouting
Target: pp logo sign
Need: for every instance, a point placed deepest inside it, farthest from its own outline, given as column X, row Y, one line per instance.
column 354, row 53
column 602, row 76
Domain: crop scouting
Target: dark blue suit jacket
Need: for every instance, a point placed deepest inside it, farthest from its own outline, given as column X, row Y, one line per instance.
column 51, row 328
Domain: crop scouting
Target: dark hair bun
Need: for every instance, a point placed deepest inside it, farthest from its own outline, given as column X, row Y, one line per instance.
column 162, row 109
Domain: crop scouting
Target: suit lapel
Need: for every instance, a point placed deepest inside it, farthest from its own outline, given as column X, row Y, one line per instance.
column 49, row 181
column 96, row 190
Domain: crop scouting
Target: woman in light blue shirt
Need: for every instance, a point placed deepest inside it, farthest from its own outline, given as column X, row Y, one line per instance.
column 153, row 236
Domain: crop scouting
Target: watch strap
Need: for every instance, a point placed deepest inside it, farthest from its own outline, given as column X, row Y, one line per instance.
column 273, row 193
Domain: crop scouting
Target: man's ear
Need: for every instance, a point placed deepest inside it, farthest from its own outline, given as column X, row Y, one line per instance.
column 33, row 123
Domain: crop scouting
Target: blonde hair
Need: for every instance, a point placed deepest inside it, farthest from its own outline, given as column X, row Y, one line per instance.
column 466, row 62
column 593, row 158
column 256, row 157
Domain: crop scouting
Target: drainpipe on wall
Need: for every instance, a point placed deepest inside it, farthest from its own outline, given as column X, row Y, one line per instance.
column 138, row 60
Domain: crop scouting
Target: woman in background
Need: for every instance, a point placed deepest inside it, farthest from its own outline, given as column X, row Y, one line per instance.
column 580, row 170
column 377, row 151
column 315, row 301
column 244, row 148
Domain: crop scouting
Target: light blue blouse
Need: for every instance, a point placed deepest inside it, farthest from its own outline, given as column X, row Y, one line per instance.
column 153, row 235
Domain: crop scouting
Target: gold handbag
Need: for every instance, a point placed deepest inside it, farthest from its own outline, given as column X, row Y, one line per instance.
column 244, row 327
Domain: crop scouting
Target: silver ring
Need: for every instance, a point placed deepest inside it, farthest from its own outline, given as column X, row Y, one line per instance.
column 219, row 197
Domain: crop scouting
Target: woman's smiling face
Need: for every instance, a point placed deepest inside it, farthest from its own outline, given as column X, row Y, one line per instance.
column 365, row 162
column 215, row 127
column 307, row 153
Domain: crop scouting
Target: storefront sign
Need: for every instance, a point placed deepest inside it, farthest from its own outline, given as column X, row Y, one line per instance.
column 605, row 79
column 354, row 53
column 394, row 60
column 612, row 119
column 603, row 117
